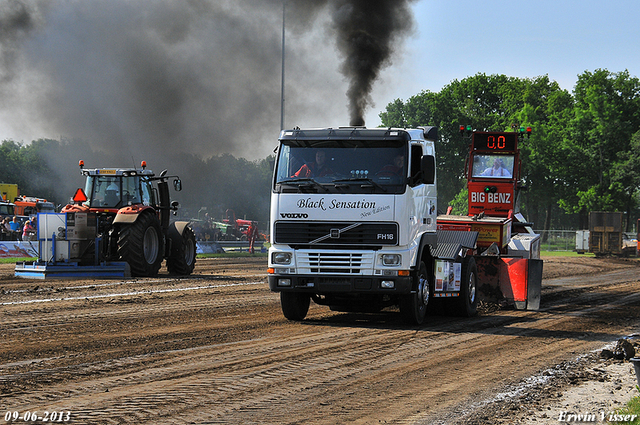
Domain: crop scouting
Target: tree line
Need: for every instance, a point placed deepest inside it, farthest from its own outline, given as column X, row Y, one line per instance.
column 583, row 155
column 48, row 168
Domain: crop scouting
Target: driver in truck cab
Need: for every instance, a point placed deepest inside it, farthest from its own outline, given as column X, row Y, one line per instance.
column 396, row 168
column 497, row 170
column 315, row 169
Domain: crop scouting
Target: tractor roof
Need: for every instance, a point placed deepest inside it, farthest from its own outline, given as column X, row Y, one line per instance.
column 116, row 172
column 126, row 172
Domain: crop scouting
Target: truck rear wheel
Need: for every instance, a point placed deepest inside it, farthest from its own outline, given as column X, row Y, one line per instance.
column 141, row 244
column 413, row 307
column 467, row 302
column 294, row 305
column 183, row 254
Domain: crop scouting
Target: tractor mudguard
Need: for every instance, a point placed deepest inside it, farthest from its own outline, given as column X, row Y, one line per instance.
column 176, row 230
column 130, row 214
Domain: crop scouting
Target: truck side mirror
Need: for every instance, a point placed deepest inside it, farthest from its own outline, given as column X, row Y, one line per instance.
column 428, row 166
column 177, row 185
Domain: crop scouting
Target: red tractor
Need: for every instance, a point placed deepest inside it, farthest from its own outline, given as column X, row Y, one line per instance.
column 131, row 208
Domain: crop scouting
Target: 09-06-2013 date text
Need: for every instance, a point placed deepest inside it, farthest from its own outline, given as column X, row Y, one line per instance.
column 53, row 416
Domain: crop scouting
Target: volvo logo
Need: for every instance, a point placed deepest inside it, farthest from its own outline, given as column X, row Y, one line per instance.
column 334, row 233
column 294, row 215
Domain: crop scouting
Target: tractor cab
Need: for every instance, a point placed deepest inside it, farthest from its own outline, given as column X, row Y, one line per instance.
column 120, row 189
column 116, row 188
column 125, row 192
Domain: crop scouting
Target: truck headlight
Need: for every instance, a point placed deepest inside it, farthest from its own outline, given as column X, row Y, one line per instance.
column 391, row 259
column 281, row 258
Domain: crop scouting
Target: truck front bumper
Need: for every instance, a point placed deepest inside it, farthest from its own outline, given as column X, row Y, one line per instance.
column 335, row 284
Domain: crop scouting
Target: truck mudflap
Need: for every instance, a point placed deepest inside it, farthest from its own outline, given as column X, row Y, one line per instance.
column 515, row 280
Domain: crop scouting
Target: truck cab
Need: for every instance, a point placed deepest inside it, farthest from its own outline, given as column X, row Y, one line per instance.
column 353, row 213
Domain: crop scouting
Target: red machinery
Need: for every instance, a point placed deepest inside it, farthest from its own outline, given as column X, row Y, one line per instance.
column 507, row 251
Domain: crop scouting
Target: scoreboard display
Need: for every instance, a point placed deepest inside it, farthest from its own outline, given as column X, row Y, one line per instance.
column 496, row 142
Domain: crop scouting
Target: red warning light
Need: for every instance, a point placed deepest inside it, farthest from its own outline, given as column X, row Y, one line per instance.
column 81, row 163
column 79, row 196
column 143, row 164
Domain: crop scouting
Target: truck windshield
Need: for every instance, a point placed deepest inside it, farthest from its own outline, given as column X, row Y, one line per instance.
column 494, row 166
column 338, row 165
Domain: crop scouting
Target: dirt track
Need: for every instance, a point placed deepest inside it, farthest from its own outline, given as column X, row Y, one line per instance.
column 215, row 348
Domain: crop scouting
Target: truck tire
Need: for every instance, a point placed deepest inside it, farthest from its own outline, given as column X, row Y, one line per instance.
column 413, row 307
column 294, row 305
column 141, row 244
column 467, row 302
column 183, row 254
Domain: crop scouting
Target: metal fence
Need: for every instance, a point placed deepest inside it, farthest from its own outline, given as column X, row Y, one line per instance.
column 557, row 240
column 562, row 240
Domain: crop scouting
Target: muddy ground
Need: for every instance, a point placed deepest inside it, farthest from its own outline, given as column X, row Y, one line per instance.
column 215, row 348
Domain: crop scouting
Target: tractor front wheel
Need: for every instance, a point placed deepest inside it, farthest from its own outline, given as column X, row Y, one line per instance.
column 141, row 244
column 183, row 254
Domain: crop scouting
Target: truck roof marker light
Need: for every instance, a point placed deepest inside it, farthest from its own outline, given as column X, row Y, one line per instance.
column 81, row 164
column 143, row 164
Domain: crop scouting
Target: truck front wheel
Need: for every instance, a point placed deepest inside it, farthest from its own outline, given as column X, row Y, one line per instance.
column 413, row 307
column 294, row 305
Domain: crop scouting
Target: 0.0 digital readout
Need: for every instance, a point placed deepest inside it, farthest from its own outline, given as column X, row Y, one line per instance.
column 494, row 141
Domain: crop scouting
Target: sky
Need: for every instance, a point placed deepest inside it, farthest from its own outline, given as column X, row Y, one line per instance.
column 455, row 39
column 137, row 77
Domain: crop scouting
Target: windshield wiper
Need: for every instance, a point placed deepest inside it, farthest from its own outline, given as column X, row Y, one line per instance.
column 360, row 180
column 302, row 182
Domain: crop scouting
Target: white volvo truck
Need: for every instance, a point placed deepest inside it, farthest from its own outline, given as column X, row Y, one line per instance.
column 354, row 227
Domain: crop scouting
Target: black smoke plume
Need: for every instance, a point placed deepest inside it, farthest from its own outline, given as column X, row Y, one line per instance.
column 367, row 34
column 367, row 31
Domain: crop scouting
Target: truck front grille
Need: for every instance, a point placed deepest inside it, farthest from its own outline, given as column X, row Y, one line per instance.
column 332, row 233
column 310, row 262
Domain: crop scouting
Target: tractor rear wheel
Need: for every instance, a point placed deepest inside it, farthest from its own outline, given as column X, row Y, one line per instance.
column 183, row 254
column 141, row 244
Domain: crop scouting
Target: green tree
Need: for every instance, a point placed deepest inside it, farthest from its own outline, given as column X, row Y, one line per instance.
column 606, row 115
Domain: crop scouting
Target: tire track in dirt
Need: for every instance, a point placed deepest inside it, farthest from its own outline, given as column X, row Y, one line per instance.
column 231, row 386
column 228, row 356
